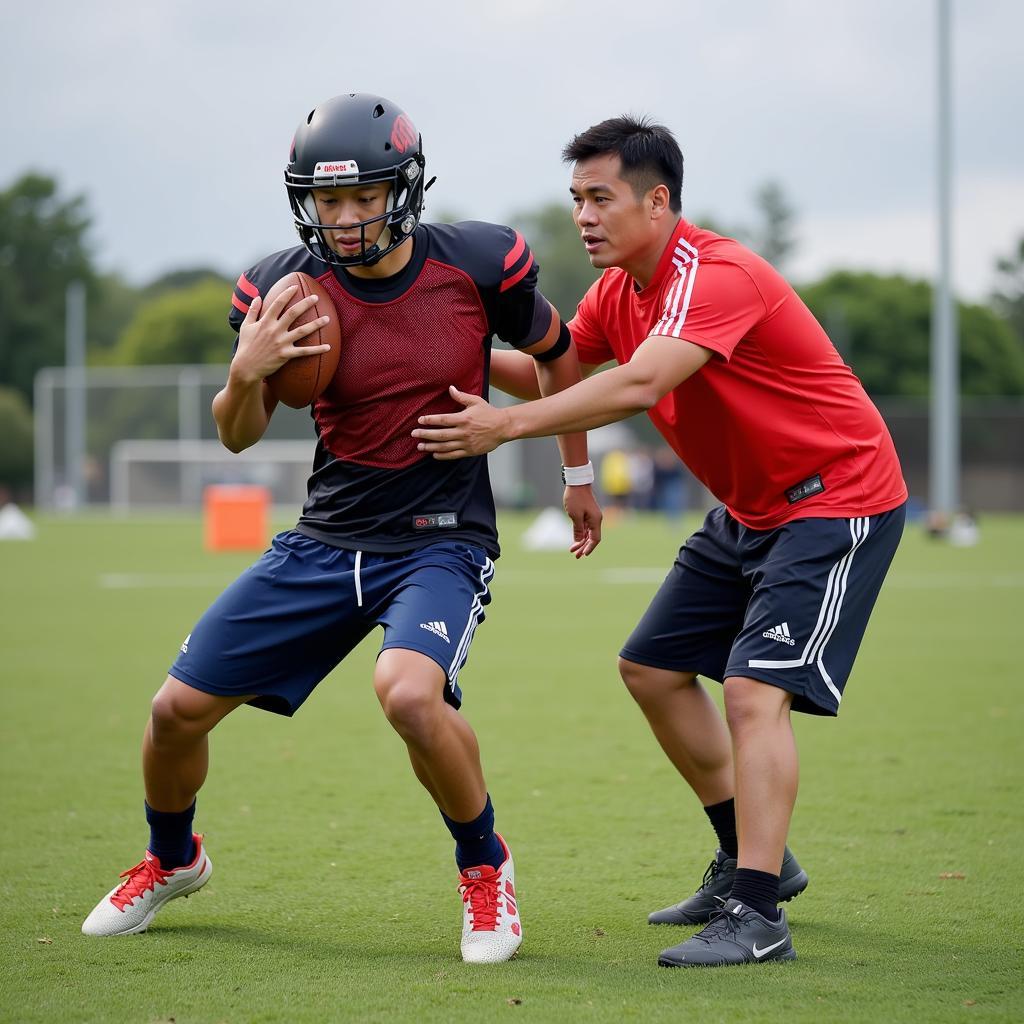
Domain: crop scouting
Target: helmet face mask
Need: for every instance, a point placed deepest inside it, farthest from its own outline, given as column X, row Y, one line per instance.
column 356, row 139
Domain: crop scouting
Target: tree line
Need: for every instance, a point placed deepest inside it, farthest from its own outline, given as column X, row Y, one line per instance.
column 880, row 323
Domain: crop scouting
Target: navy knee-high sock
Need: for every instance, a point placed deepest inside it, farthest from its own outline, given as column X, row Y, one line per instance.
column 475, row 841
column 170, row 836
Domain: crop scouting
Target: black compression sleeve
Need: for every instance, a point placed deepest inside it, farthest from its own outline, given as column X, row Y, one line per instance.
column 560, row 347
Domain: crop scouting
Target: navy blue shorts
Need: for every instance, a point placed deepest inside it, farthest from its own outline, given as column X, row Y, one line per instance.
column 290, row 618
column 787, row 606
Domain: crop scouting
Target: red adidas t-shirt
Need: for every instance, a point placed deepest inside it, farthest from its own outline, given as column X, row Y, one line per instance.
column 775, row 424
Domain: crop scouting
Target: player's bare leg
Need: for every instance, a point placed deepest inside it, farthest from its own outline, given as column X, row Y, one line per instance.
column 446, row 759
column 175, row 759
column 767, row 769
column 175, row 745
column 691, row 731
column 687, row 724
column 442, row 746
column 751, row 928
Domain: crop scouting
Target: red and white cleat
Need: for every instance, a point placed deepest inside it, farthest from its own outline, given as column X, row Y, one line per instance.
column 130, row 907
column 491, row 929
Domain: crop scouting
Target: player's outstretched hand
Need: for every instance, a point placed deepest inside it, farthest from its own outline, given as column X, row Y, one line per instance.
column 582, row 508
column 475, row 430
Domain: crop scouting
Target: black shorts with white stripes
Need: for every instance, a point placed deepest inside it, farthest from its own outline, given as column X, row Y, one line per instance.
column 787, row 606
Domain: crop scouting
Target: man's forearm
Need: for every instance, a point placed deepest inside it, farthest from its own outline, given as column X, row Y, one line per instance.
column 658, row 366
column 556, row 376
column 604, row 398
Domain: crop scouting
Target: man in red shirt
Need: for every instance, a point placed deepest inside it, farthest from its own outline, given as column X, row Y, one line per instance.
column 772, row 595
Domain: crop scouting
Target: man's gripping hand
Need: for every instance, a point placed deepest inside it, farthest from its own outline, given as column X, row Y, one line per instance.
column 476, row 430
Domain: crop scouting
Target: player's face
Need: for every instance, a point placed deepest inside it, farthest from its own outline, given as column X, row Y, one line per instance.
column 617, row 228
column 345, row 208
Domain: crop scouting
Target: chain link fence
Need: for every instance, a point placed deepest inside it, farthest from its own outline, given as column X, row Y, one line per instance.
column 150, row 442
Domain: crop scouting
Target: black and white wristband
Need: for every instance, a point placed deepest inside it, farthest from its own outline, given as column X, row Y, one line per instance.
column 578, row 476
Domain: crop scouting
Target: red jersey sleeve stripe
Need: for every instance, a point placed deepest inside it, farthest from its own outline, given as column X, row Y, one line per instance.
column 239, row 304
column 515, row 252
column 510, row 282
column 247, row 287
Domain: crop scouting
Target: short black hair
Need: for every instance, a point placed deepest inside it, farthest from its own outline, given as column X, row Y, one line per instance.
column 648, row 152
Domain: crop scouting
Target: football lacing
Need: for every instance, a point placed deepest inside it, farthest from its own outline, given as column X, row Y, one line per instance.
column 484, row 899
column 145, row 875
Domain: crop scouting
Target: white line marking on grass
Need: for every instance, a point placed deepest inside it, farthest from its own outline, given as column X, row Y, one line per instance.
column 955, row 580
column 627, row 576
column 524, row 577
column 651, row 574
column 159, row 581
column 637, row 575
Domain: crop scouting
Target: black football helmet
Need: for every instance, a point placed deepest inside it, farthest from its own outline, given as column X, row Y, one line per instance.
column 355, row 139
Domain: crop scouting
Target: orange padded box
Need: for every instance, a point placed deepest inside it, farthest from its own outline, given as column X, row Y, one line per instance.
column 236, row 517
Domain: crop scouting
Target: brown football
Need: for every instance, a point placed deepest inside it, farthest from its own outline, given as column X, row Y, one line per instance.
column 303, row 378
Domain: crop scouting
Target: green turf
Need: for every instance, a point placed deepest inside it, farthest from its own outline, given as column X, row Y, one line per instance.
column 333, row 896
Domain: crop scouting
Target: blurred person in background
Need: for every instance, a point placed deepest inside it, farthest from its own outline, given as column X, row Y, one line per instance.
column 668, row 484
column 616, row 483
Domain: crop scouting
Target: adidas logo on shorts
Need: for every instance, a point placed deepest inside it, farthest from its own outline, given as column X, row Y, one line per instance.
column 780, row 633
column 438, row 629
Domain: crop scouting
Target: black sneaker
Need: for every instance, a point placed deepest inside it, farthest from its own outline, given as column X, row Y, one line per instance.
column 717, row 884
column 735, row 935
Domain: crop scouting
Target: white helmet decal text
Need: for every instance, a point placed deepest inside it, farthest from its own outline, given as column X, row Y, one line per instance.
column 336, row 168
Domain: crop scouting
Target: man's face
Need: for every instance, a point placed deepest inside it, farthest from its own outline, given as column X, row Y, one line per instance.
column 345, row 208
column 616, row 227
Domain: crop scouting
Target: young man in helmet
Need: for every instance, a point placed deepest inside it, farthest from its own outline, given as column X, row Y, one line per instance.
column 772, row 595
column 388, row 536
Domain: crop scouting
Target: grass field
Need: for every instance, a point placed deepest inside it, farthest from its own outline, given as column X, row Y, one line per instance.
column 333, row 896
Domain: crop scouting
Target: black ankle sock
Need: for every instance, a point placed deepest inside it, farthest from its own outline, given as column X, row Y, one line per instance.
column 170, row 836
column 723, row 821
column 757, row 890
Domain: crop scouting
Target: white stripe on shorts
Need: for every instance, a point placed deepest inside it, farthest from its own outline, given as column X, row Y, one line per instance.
column 475, row 611
column 828, row 613
column 359, row 583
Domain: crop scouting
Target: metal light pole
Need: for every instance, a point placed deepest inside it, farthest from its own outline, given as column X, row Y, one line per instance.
column 74, row 392
column 944, row 433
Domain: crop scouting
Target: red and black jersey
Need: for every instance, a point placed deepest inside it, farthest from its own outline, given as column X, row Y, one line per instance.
column 404, row 340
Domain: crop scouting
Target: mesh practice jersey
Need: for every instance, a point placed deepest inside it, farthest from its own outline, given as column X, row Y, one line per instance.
column 775, row 424
column 404, row 340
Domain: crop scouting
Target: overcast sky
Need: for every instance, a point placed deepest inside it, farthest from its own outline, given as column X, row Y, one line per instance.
column 174, row 119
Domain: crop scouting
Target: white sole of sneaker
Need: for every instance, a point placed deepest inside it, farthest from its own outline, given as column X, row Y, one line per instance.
column 484, row 962
column 488, row 963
